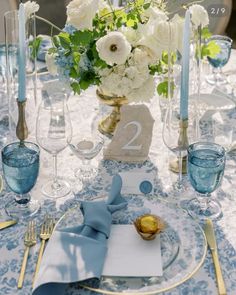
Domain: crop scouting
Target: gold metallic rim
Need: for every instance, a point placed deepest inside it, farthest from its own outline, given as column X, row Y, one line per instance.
column 111, row 100
column 101, row 291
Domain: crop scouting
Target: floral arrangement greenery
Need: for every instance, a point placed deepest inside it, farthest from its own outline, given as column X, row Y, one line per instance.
column 120, row 49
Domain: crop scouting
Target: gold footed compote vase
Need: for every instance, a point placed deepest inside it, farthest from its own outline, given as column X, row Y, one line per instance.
column 107, row 125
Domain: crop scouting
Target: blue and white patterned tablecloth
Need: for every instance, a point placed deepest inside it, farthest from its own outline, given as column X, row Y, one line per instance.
column 84, row 109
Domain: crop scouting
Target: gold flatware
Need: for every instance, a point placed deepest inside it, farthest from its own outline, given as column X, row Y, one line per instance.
column 210, row 235
column 29, row 241
column 4, row 224
column 45, row 233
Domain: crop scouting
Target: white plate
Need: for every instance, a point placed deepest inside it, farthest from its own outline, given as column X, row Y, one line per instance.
column 183, row 246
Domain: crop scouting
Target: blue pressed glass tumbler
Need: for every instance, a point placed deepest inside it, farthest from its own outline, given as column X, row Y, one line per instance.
column 20, row 163
column 206, row 164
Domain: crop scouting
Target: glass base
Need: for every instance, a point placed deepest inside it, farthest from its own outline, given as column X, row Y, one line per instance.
column 195, row 209
column 86, row 173
column 22, row 210
column 53, row 191
column 216, row 79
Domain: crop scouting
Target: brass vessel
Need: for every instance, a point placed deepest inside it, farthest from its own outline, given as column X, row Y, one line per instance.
column 108, row 124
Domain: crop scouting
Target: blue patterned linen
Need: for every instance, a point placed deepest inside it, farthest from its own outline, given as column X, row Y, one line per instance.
column 78, row 253
column 86, row 109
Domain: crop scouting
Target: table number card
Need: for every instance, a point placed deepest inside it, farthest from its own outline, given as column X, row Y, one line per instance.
column 133, row 135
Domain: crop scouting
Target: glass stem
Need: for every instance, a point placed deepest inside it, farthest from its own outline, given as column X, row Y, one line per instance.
column 55, row 184
column 180, row 169
column 203, row 201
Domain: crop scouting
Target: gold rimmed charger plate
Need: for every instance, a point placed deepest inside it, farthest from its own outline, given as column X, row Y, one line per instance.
column 181, row 228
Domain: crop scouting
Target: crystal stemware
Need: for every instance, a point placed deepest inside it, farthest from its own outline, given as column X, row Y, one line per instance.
column 20, row 163
column 206, row 164
column 220, row 60
column 86, row 145
column 176, row 137
column 53, row 133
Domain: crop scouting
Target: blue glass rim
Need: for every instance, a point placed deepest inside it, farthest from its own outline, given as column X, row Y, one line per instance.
column 222, row 38
column 28, row 144
column 206, row 145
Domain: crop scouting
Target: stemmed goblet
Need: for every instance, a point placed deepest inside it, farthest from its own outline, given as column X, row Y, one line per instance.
column 220, row 59
column 20, row 163
column 86, row 145
column 206, row 164
column 53, row 133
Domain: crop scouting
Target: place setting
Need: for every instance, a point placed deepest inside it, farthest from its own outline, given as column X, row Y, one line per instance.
column 114, row 177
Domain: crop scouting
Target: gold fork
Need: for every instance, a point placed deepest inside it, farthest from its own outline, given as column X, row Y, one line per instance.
column 45, row 234
column 29, row 241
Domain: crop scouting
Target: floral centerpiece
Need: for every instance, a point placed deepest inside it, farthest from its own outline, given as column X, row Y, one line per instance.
column 119, row 49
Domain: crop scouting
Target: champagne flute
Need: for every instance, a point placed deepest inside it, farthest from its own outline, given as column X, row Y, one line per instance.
column 53, row 133
column 206, row 164
column 20, row 163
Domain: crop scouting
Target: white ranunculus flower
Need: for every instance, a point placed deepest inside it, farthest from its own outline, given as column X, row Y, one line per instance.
column 80, row 13
column 50, row 63
column 30, row 8
column 113, row 48
column 199, row 15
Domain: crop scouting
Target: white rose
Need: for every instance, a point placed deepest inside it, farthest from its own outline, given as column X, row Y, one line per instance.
column 158, row 39
column 30, row 8
column 131, row 35
column 178, row 28
column 80, row 13
column 113, row 48
column 199, row 15
column 50, row 63
column 154, row 13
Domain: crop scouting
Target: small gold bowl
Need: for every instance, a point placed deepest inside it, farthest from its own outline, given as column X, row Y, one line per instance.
column 148, row 226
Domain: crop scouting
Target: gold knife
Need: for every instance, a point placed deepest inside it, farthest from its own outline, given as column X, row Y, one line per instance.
column 4, row 224
column 210, row 235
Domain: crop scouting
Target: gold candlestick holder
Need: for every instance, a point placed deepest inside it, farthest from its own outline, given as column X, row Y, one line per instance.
column 21, row 127
column 182, row 146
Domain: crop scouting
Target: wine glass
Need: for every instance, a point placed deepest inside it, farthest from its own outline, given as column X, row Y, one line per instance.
column 86, row 145
column 53, row 133
column 176, row 137
column 206, row 164
column 220, row 60
column 20, row 163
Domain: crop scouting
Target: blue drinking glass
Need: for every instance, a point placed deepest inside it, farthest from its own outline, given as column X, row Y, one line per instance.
column 206, row 164
column 20, row 163
column 220, row 60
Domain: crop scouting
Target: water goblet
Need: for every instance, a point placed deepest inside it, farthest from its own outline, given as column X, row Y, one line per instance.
column 20, row 163
column 53, row 133
column 220, row 60
column 206, row 164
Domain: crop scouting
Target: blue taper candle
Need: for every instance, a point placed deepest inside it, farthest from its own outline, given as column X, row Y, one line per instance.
column 21, row 55
column 184, row 93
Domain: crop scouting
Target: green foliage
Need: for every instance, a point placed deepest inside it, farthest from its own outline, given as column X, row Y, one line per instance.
column 210, row 49
column 34, row 47
column 162, row 88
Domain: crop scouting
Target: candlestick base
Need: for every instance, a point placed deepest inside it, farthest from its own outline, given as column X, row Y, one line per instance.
column 21, row 127
column 174, row 165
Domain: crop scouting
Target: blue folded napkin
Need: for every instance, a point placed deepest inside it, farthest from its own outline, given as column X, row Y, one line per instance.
column 78, row 253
